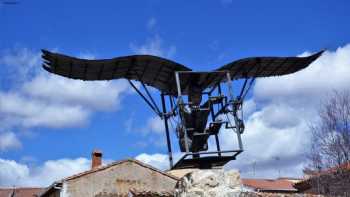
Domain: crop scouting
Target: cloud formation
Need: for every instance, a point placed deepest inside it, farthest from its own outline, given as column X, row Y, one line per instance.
column 277, row 134
column 157, row 160
column 34, row 112
column 99, row 95
column 154, row 125
column 9, row 140
column 13, row 173
column 31, row 97
column 154, row 46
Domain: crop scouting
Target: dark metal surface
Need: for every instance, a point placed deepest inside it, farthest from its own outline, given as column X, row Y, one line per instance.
column 207, row 162
column 151, row 70
column 269, row 66
column 159, row 72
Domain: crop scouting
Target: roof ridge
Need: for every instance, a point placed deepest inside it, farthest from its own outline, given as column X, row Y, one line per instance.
column 102, row 167
column 117, row 163
column 154, row 169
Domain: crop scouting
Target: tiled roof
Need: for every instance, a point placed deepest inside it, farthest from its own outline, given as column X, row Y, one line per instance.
column 269, row 185
column 20, row 192
column 117, row 163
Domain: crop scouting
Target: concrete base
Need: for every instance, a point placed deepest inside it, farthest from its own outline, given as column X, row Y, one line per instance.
column 210, row 183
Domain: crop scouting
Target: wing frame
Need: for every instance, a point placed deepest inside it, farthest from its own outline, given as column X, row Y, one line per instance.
column 267, row 66
column 151, row 70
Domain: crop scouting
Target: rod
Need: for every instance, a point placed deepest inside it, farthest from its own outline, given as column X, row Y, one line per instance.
column 149, row 95
column 170, row 154
column 180, row 103
column 178, row 84
column 216, row 135
column 144, row 98
column 243, row 88
column 230, row 90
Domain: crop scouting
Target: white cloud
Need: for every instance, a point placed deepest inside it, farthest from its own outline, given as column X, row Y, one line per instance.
column 102, row 95
column 43, row 99
column 19, row 65
column 154, row 46
column 285, row 106
column 157, row 160
column 329, row 72
column 12, row 172
column 18, row 174
column 151, row 131
column 155, row 125
column 264, row 142
column 30, row 112
column 9, row 140
column 249, row 107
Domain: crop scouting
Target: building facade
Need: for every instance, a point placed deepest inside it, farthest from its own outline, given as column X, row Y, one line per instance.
column 121, row 178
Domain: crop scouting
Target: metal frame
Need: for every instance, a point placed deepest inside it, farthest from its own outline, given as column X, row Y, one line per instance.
column 181, row 104
column 202, row 158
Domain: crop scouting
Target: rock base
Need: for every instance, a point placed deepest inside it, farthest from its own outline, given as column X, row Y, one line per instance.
column 210, row 183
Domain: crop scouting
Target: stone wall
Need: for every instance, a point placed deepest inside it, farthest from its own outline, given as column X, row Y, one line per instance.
column 117, row 181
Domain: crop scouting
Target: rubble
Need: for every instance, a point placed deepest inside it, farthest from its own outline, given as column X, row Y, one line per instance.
column 210, row 183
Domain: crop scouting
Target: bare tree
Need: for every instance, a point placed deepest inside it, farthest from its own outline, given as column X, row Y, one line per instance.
column 330, row 145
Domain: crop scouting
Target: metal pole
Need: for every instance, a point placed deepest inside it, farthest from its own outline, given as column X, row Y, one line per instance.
column 229, row 83
column 180, row 103
column 230, row 90
column 219, row 91
column 240, row 144
column 216, row 135
column 178, row 84
column 167, row 131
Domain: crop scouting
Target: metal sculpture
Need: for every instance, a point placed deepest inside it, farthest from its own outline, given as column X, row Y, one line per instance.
column 176, row 82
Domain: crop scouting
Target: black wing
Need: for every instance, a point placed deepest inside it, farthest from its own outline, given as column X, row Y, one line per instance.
column 151, row 70
column 267, row 66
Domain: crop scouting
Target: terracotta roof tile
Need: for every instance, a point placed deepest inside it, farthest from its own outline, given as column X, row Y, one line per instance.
column 269, row 184
column 20, row 192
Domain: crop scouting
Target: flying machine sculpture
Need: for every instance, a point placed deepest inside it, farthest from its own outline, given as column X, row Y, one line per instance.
column 182, row 91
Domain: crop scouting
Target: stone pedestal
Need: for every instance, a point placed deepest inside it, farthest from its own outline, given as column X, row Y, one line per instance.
column 210, row 183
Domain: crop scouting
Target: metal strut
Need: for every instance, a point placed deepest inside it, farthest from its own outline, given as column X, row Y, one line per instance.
column 245, row 89
column 170, row 154
column 154, row 108
column 149, row 96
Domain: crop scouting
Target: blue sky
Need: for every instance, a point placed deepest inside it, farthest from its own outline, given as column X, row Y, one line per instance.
column 200, row 34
